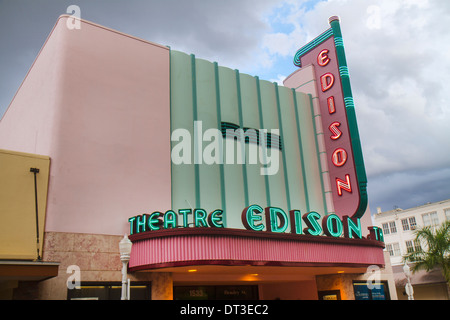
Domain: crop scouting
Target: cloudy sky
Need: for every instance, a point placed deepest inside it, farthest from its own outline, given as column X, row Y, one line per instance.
column 397, row 53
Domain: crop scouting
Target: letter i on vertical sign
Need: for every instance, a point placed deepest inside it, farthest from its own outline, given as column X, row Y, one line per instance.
column 331, row 106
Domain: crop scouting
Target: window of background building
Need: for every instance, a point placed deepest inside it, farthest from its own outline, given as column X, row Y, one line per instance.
column 405, row 224
column 409, row 246
column 447, row 213
column 393, row 249
column 409, row 224
column 385, row 228
column 397, row 249
column 426, row 219
column 389, row 227
column 417, row 245
column 390, row 249
column 412, row 223
column 430, row 219
column 392, row 227
column 413, row 246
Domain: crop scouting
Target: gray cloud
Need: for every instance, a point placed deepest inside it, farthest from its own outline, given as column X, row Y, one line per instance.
column 410, row 188
column 397, row 53
column 399, row 73
column 223, row 31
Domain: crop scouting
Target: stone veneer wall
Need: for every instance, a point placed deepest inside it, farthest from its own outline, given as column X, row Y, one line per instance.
column 342, row 282
column 97, row 256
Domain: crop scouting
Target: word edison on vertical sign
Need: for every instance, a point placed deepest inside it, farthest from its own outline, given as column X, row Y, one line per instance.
column 342, row 145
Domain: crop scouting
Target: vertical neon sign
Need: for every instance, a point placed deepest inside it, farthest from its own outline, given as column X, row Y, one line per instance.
column 344, row 155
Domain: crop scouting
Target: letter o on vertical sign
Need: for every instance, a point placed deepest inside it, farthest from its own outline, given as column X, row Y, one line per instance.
column 335, row 130
column 339, row 157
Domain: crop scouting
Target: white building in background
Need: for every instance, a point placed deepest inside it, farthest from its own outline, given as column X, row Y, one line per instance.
column 398, row 228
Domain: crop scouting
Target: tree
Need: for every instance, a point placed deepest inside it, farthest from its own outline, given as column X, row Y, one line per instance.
column 436, row 252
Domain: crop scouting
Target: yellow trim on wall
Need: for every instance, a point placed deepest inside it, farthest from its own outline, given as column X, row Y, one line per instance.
column 17, row 204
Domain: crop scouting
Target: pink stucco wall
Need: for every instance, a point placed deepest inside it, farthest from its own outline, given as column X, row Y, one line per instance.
column 98, row 103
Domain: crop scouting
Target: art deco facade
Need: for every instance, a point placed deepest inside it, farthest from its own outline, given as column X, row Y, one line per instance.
column 124, row 131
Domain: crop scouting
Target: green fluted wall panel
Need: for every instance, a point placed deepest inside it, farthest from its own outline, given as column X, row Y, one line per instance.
column 203, row 91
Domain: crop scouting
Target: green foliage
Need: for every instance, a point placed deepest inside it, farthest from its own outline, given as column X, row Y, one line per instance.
column 435, row 250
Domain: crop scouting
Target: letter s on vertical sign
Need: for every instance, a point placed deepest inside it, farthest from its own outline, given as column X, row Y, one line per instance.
column 334, row 129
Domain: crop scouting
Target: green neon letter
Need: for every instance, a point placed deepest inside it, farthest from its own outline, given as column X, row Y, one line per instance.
column 200, row 216
column 131, row 221
column 185, row 213
column 380, row 235
column 296, row 221
column 375, row 234
column 170, row 219
column 313, row 228
column 352, row 226
column 272, row 217
column 332, row 225
column 141, row 223
column 153, row 221
column 215, row 219
column 250, row 215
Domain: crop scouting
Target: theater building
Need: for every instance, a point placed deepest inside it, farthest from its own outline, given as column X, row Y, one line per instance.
column 227, row 185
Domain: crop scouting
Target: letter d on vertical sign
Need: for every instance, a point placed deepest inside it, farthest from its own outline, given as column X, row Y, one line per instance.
column 326, row 81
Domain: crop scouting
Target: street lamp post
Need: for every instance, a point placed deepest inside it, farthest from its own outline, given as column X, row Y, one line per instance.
column 408, row 287
column 125, row 251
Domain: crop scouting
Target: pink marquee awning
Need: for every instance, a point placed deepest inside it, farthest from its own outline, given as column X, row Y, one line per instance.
column 207, row 246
